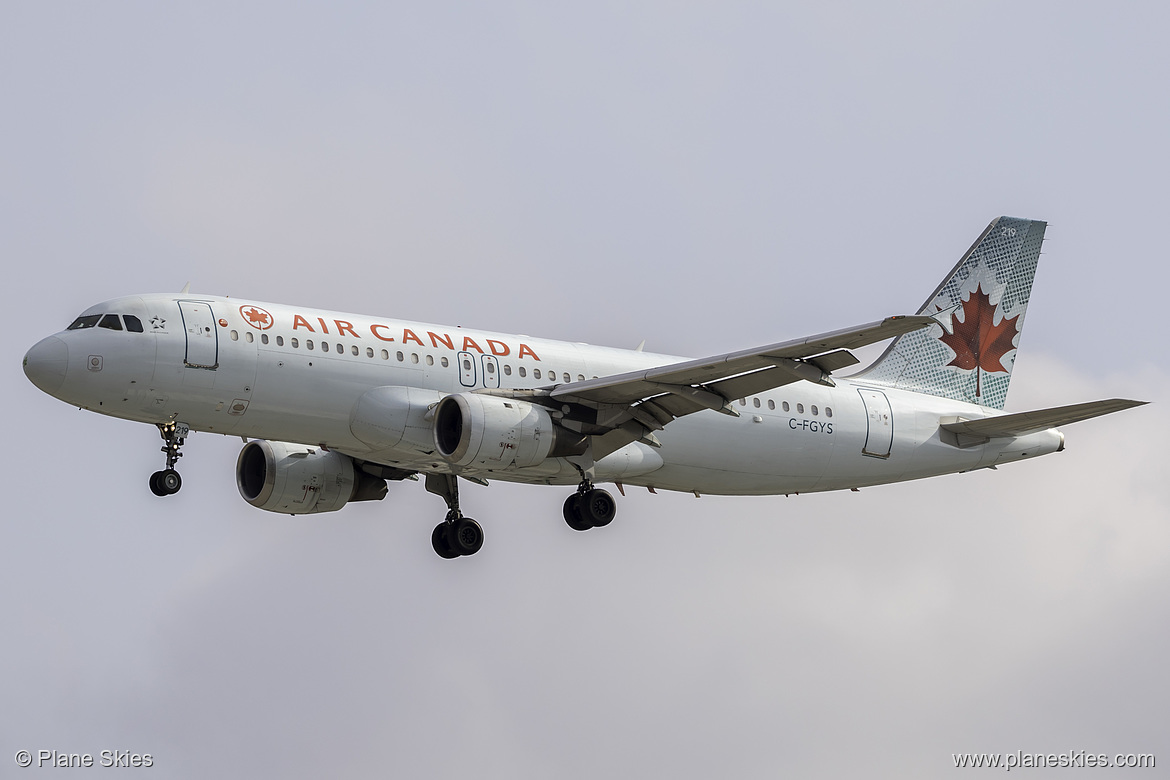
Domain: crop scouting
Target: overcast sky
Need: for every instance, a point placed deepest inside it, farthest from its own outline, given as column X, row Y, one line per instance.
column 705, row 177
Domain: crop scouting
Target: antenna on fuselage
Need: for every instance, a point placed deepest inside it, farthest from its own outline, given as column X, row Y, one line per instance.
column 639, row 347
column 186, row 289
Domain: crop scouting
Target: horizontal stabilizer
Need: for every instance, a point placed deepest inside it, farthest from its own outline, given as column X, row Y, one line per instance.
column 1023, row 423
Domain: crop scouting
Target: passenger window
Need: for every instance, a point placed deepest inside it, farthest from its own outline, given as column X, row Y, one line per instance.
column 491, row 368
column 507, row 370
column 567, row 377
column 430, row 360
column 445, row 362
column 248, row 336
column 308, row 343
column 580, row 377
column 133, row 324
column 264, row 338
column 743, row 402
column 400, row 356
column 466, row 364
column 828, row 411
column 369, row 351
column 88, row 321
column 523, row 371
column 785, row 405
column 536, row 373
column 111, row 322
column 800, row 408
column 771, row 404
column 295, row 343
column 235, row 336
column 814, row 410
column 280, row 341
column 385, row 355
column 324, row 346
column 756, row 402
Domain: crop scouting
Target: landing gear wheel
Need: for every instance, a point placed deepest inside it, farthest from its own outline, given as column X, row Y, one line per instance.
column 573, row 514
column 441, row 543
column 155, row 487
column 465, row 536
column 597, row 507
column 457, row 535
column 169, row 481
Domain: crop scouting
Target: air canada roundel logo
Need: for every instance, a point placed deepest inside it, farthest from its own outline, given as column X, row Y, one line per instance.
column 256, row 317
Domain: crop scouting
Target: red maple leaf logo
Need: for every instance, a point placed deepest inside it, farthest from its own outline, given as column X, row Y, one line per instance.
column 977, row 341
column 257, row 316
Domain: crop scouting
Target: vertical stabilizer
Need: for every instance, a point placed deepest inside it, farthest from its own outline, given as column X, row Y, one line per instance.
column 979, row 307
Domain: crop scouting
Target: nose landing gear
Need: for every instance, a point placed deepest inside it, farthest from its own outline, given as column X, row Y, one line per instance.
column 168, row 481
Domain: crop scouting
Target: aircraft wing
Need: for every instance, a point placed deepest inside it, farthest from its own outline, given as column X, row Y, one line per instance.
column 769, row 366
column 627, row 407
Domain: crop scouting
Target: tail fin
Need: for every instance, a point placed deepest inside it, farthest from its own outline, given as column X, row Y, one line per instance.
column 979, row 307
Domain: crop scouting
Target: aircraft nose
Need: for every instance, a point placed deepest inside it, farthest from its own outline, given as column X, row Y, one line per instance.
column 45, row 364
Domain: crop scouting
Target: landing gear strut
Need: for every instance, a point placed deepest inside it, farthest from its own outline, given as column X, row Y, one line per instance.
column 589, row 507
column 456, row 535
column 168, row 481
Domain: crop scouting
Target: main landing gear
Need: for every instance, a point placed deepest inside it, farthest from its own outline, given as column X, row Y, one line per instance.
column 589, row 507
column 168, row 481
column 456, row 535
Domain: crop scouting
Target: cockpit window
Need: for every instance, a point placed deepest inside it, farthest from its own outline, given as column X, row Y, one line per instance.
column 110, row 321
column 133, row 324
column 88, row 321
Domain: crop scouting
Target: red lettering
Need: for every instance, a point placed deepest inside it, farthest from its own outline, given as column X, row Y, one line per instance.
column 527, row 350
column 301, row 322
column 469, row 344
column 343, row 326
column 408, row 335
column 377, row 335
column 492, row 344
column 436, row 339
column 324, row 327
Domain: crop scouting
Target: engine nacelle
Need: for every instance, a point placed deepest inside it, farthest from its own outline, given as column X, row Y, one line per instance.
column 490, row 432
column 295, row 479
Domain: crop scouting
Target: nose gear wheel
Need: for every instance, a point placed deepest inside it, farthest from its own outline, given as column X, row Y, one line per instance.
column 168, row 482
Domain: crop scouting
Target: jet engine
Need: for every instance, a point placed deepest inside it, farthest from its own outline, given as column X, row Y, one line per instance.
column 295, row 479
column 490, row 432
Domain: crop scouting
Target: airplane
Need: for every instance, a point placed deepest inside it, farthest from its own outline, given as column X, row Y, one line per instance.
column 333, row 406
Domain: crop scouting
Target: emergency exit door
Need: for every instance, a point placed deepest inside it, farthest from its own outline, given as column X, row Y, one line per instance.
column 466, row 369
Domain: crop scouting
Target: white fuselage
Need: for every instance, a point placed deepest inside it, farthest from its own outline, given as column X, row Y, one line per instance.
column 296, row 374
